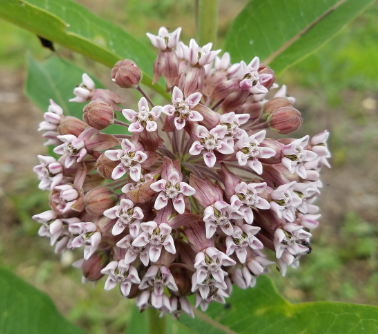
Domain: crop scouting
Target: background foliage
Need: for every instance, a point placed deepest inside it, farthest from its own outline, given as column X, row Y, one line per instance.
column 336, row 89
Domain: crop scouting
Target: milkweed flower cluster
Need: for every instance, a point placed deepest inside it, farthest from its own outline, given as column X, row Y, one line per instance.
column 189, row 198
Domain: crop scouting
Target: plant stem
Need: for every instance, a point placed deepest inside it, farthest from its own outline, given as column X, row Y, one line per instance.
column 140, row 90
column 207, row 21
column 156, row 325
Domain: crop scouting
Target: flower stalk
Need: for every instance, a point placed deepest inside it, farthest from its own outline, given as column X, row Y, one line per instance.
column 207, row 21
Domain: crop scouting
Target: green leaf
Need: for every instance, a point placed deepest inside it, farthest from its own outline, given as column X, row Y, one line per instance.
column 24, row 309
column 262, row 310
column 73, row 26
column 55, row 79
column 282, row 32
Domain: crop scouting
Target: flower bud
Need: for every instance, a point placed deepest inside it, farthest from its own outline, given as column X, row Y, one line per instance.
column 276, row 103
column 183, row 281
column 126, row 73
column 98, row 200
column 70, row 125
column 265, row 69
column 92, row 267
column 98, row 115
column 105, row 166
column 285, row 120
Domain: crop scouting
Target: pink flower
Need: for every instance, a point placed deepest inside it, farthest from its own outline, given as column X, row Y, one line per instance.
column 156, row 237
column 246, row 199
column 144, row 118
column 179, row 305
column 172, row 189
column 52, row 117
column 49, row 172
column 65, row 196
column 84, row 90
column 196, row 55
column 133, row 252
column 127, row 216
column 233, row 122
column 147, row 299
column 209, row 142
column 122, row 273
column 73, row 149
column 285, row 201
column 295, row 156
column 251, row 79
column 242, row 238
column 165, row 40
column 250, row 151
column 157, row 278
column 129, row 158
column 136, row 185
column 220, row 215
column 217, row 296
column 182, row 110
column 86, row 234
column 319, row 146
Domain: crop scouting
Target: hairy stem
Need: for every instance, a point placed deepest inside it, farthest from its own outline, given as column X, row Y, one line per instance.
column 156, row 325
column 207, row 21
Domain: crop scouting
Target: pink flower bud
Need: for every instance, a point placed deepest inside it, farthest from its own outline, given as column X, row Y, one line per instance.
column 207, row 193
column 98, row 200
column 285, row 120
column 126, row 73
column 276, row 103
column 105, row 166
column 191, row 81
column 196, row 235
column 167, row 64
column 108, row 97
column 230, row 181
column 92, row 267
column 69, row 195
column 98, row 115
column 70, row 125
column 265, row 69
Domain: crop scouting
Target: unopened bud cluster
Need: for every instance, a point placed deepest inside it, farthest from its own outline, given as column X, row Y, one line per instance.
column 186, row 203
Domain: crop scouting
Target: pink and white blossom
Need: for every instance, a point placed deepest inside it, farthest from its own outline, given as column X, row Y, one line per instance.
column 319, row 146
column 250, row 151
column 50, row 172
column 247, row 199
column 179, row 305
column 217, row 296
column 84, row 91
column 183, row 110
column 209, row 142
column 134, row 252
column 196, row 55
column 72, row 150
column 285, row 201
column 129, row 158
column 165, row 40
column 157, row 278
column 136, row 185
column 174, row 190
column 295, row 156
column 220, row 215
column 64, row 196
column 250, row 79
column 52, row 117
column 156, row 237
column 242, row 238
column 127, row 216
column 144, row 118
column 148, row 298
column 85, row 234
column 233, row 122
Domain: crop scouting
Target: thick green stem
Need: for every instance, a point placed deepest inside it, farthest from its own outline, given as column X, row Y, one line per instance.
column 156, row 325
column 207, row 21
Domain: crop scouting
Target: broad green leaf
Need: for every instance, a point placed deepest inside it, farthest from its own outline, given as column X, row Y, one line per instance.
column 55, row 79
column 26, row 310
column 73, row 26
column 262, row 310
column 282, row 32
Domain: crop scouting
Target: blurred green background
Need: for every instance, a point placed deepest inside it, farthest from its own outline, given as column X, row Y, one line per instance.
column 336, row 89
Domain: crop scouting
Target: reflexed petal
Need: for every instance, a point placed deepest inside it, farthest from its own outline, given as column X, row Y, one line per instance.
column 118, row 172
column 129, row 114
column 161, row 201
column 209, row 158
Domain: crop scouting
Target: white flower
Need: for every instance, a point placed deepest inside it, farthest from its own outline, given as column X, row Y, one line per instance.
column 133, row 252
column 295, row 156
column 319, row 146
column 157, row 278
column 179, row 305
column 246, row 199
column 122, row 273
column 156, row 237
column 250, row 151
column 220, row 215
column 129, row 158
column 251, row 79
column 233, row 122
column 306, row 192
column 84, row 90
column 197, row 55
column 217, row 296
column 209, row 142
column 144, row 118
column 52, row 117
column 182, row 109
column 148, row 298
column 242, row 238
column 64, row 196
column 127, row 216
column 73, row 149
column 85, row 234
column 285, row 201
column 49, row 172
column 172, row 189
column 165, row 40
